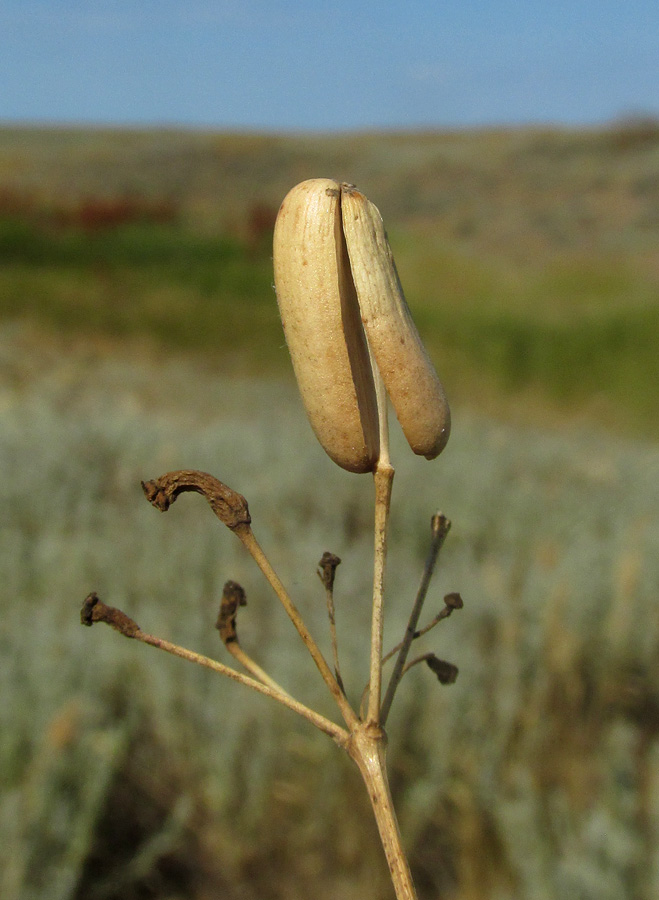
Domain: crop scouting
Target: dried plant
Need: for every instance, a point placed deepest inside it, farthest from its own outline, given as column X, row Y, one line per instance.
column 353, row 344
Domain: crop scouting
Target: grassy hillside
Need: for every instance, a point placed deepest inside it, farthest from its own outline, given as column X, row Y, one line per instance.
column 528, row 257
column 507, row 190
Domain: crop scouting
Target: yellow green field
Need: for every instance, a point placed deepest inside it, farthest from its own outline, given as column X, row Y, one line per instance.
column 528, row 257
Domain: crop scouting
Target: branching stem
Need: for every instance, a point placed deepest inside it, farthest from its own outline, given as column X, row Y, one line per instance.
column 440, row 528
column 364, row 739
column 246, row 535
column 95, row 611
column 367, row 746
column 231, row 508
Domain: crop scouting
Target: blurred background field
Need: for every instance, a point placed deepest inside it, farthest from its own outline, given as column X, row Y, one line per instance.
column 139, row 333
column 529, row 256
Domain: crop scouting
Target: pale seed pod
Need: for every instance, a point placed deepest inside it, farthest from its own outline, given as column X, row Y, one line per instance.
column 322, row 324
column 416, row 393
column 343, row 311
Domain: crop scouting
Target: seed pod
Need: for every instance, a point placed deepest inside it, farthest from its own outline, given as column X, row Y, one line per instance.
column 416, row 392
column 321, row 319
column 343, row 311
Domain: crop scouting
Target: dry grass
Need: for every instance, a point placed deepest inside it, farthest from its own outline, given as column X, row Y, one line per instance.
column 126, row 775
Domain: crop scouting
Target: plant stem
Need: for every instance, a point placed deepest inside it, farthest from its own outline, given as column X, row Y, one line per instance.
column 383, row 478
column 440, row 528
column 233, row 597
column 93, row 611
column 244, row 532
column 254, row 668
column 326, row 725
column 367, row 746
column 331, row 614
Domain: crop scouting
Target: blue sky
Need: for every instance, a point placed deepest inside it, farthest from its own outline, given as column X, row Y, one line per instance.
column 301, row 64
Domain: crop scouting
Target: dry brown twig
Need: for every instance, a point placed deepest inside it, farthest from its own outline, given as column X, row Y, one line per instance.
column 352, row 343
column 233, row 596
column 327, row 572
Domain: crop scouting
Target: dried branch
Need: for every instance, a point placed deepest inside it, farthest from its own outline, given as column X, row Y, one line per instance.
column 446, row 672
column 231, row 508
column 440, row 527
column 93, row 610
column 326, row 572
column 228, row 505
column 233, row 597
column 451, row 601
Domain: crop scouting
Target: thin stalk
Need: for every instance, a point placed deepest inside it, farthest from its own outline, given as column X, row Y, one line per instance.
column 367, row 748
column 331, row 614
column 442, row 614
column 244, row 532
column 383, row 478
column 440, row 528
column 233, row 597
column 253, row 667
column 330, row 728
column 93, row 611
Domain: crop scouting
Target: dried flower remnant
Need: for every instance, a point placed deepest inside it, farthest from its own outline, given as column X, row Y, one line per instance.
column 327, row 567
column 348, row 326
column 233, row 596
column 446, row 672
column 228, row 505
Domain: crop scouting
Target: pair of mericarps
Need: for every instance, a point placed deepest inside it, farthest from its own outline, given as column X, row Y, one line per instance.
column 344, row 314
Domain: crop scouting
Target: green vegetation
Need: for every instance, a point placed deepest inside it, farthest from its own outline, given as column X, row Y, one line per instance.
column 128, row 774
column 529, row 258
column 576, row 330
column 148, row 280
